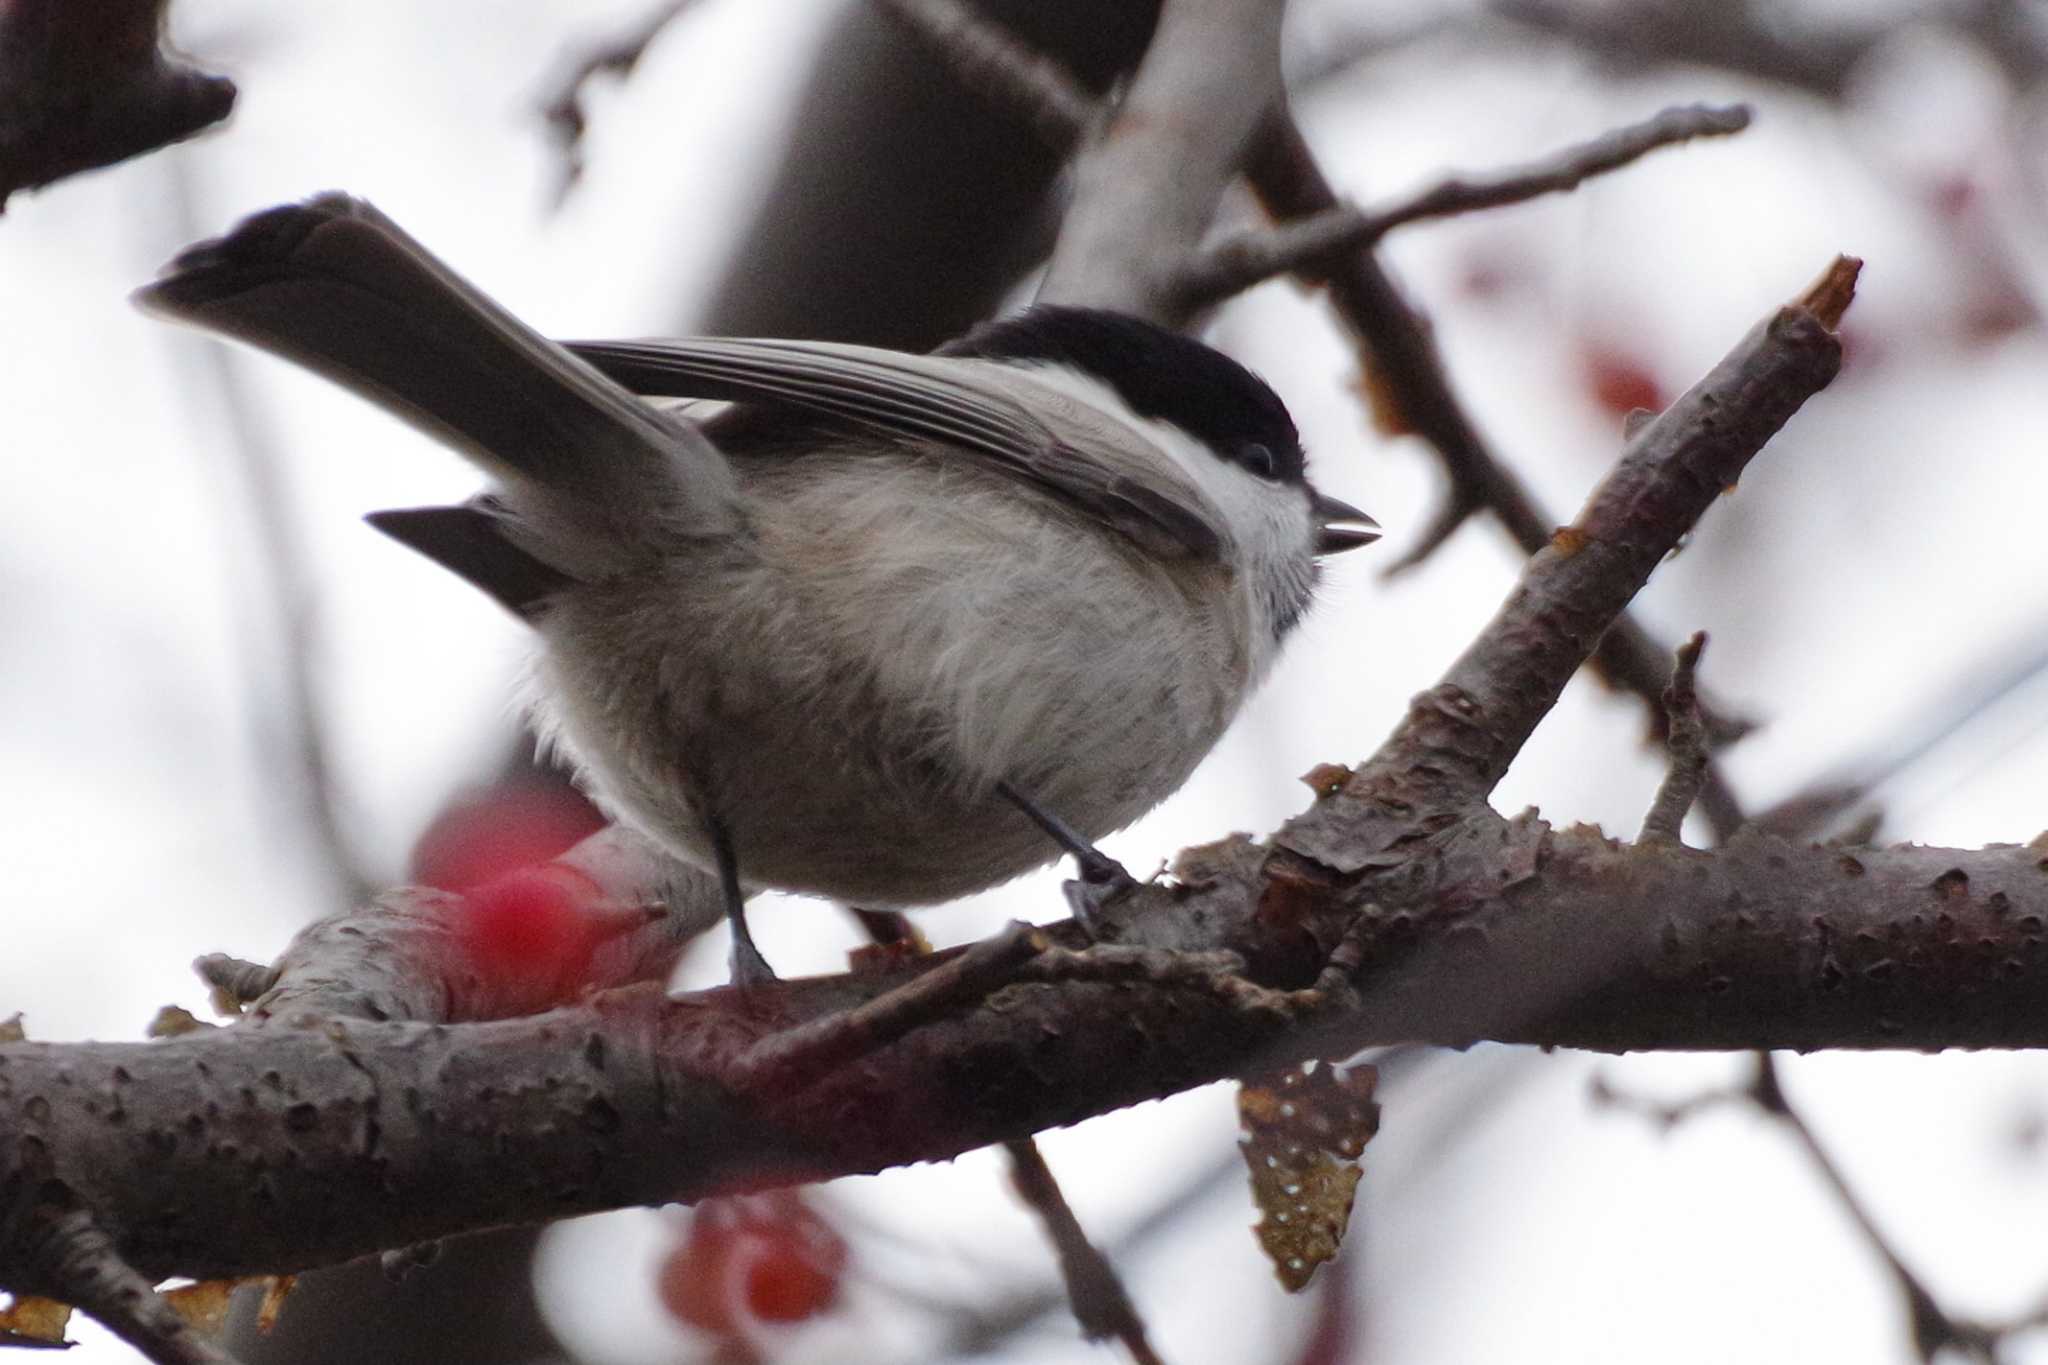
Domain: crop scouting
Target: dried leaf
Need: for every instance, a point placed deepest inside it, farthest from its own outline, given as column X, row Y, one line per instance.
column 1327, row 779
column 204, row 1305
column 1305, row 1131
column 173, row 1020
column 30, row 1320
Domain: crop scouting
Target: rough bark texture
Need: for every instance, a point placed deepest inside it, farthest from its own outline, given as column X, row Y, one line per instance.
column 269, row 1148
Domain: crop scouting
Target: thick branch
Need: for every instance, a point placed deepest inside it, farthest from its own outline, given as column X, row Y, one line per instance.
column 1146, row 191
column 271, row 1148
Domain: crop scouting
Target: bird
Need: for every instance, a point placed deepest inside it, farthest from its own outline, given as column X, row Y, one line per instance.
column 885, row 627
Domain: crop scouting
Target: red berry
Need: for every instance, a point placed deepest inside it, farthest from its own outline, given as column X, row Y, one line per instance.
column 753, row 1258
column 528, row 923
column 789, row 1279
column 1619, row 383
column 508, row 827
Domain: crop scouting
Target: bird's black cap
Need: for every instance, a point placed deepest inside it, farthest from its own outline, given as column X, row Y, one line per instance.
column 1159, row 374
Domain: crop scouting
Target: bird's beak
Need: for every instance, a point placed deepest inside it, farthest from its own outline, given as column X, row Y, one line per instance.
column 1340, row 526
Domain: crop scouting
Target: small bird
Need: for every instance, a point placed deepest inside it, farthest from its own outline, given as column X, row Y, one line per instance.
column 884, row 627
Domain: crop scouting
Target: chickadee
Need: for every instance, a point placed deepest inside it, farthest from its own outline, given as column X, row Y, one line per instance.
column 884, row 627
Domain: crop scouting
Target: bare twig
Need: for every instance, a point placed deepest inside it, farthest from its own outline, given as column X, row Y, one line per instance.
column 984, row 54
column 1819, row 59
column 1687, row 740
column 78, row 1263
column 1240, row 261
column 1095, row 1292
column 1665, row 1114
column 1100, row 1304
column 88, row 85
column 562, row 106
column 1934, row 1329
column 1968, row 696
column 788, row 1060
column 1467, row 730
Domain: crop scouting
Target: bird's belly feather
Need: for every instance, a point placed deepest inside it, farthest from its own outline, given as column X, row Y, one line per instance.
column 913, row 667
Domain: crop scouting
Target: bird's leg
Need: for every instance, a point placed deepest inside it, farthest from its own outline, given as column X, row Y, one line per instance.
column 749, row 968
column 1103, row 878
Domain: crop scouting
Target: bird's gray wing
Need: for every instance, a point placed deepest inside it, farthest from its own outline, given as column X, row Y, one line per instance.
column 930, row 398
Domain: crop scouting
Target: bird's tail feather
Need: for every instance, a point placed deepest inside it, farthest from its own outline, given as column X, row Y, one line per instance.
column 334, row 285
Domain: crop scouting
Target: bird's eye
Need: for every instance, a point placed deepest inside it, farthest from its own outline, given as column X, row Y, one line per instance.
column 1258, row 458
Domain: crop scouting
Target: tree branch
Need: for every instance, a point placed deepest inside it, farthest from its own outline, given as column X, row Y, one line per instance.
column 1687, row 740
column 87, row 85
column 83, row 1268
column 1242, row 260
column 1146, row 190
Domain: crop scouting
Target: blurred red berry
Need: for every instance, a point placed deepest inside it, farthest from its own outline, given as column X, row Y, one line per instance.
column 753, row 1258
column 1617, row 382
column 508, row 827
column 529, row 923
column 1953, row 195
column 692, row 1285
column 790, row 1279
column 1990, row 316
column 1491, row 274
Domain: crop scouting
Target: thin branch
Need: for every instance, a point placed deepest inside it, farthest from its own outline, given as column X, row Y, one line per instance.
column 1934, row 1330
column 1967, row 696
column 1095, row 1293
column 1687, row 741
column 793, row 1058
column 1100, row 1304
column 76, row 1262
column 983, row 54
column 1820, row 60
column 1461, row 736
column 1238, row 262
